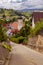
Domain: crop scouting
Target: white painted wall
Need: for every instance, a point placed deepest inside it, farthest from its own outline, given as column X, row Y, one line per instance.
column 19, row 24
column 33, row 24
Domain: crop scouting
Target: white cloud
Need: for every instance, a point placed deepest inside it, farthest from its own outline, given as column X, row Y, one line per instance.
column 21, row 4
column 32, row 4
column 16, row 0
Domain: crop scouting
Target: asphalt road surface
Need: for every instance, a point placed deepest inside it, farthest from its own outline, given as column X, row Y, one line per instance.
column 22, row 55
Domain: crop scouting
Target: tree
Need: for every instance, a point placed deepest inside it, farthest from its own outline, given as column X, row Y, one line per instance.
column 3, row 37
column 25, row 31
column 38, row 28
column 4, row 16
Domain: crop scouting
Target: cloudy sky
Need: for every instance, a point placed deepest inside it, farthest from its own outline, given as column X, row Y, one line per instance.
column 21, row 4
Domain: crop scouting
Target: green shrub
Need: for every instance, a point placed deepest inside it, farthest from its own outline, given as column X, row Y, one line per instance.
column 3, row 36
column 37, row 29
column 20, row 39
column 14, row 39
column 8, row 47
column 25, row 42
column 17, row 35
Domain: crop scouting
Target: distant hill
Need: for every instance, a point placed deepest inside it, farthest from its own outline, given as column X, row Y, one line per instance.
column 31, row 10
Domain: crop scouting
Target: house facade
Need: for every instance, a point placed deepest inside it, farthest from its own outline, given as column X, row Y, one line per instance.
column 36, row 17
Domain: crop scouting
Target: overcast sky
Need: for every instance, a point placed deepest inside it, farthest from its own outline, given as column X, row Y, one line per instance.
column 21, row 4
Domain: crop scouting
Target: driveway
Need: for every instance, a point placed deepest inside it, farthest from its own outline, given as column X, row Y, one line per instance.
column 22, row 55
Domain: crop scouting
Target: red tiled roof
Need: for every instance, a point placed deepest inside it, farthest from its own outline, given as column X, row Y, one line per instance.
column 15, row 25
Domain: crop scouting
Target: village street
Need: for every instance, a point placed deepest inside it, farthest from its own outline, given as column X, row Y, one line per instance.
column 22, row 55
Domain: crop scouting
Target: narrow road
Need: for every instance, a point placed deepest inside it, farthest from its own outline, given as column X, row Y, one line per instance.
column 22, row 55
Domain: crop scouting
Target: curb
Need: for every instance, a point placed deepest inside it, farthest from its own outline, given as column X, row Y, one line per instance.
column 7, row 61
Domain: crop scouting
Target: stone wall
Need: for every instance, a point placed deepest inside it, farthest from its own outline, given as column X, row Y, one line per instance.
column 36, row 43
